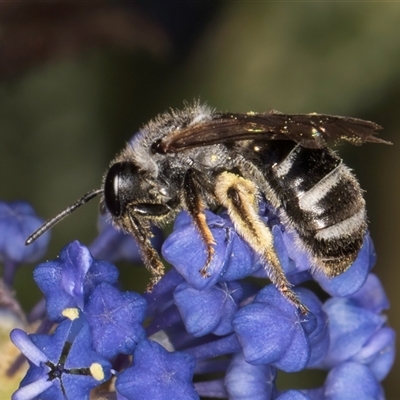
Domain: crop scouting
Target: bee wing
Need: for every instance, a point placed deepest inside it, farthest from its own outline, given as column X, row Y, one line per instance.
column 309, row 130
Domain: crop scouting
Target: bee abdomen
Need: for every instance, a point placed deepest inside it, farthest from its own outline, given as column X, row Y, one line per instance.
column 323, row 202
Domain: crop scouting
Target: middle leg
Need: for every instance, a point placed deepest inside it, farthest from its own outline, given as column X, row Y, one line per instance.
column 195, row 206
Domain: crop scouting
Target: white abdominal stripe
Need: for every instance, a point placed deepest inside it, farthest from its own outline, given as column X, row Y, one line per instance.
column 309, row 200
column 342, row 229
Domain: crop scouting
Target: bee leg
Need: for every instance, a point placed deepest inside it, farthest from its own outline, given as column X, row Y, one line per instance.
column 142, row 233
column 195, row 206
column 239, row 196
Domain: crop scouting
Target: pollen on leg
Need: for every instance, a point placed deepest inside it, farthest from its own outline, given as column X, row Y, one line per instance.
column 239, row 196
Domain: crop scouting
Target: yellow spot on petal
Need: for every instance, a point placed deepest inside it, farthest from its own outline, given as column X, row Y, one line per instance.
column 71, row 313
column 97, row 371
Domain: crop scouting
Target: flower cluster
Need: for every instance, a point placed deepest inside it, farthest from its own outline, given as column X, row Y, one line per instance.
column 224, row 336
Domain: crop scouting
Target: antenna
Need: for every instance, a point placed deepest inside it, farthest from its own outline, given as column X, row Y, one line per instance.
column 53, row 221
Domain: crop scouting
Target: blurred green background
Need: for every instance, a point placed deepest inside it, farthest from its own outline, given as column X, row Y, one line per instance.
column 77, row 79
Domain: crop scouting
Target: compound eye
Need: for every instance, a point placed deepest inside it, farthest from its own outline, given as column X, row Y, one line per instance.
column 112, row 189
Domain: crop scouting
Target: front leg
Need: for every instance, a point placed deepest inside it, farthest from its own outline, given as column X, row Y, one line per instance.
column 239, row 197
column 195, row 206
column 142, row 234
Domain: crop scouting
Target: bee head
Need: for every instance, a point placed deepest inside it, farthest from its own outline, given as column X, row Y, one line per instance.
column 128, row 186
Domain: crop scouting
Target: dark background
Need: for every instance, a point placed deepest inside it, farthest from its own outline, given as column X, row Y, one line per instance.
column 77, row 79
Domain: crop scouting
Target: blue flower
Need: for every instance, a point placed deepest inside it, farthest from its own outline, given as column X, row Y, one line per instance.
column 245, row 381
column 17, row 221
column 115, row 319
column 272, row 331
column 223, row 336
column 62, row 365
column 233, row 258
column 292, row 395
column 158, row 375
column 358, row 332
column 68, row 281
column 195, row 305
column 349, row 381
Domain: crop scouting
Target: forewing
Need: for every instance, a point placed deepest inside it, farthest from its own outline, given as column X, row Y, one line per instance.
column 309, row 130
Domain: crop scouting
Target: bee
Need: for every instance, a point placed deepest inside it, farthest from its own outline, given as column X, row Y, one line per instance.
column 197, row 158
